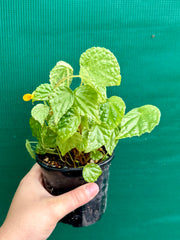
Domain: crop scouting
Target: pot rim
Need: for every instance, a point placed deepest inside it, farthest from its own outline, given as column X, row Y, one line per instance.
column 69, row 169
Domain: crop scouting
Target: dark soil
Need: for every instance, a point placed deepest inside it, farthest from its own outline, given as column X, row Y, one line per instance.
column 72, row 159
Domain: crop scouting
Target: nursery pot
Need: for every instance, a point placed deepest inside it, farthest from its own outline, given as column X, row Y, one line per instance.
column 58, row 181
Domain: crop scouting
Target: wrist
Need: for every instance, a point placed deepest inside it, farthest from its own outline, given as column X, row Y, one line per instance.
column 4, row 234
column 9, row 234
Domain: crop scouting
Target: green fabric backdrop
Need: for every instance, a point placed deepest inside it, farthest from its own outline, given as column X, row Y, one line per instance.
column 144, row 188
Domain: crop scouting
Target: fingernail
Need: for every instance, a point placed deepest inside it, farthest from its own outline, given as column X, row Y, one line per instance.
column 92, row 189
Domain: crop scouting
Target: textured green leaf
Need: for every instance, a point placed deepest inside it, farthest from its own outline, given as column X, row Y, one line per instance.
column 86, row 102
column 42, row 92
column 99, row 67
column 40, row 113
column 44, row 134
column 112, row 111
column 96, row 155
column 139, row 121
column 72, row 142
column 51, row 123
column 60, row 71
column 91, row 123
column 91, row 172
column 84, row 122
column 61, row 99
column 68, row 124
column 98, row 136
column 112, row 143
column 40, row 149
column 36, row 128
column 81, row 145
column 48, row 138
column 30, row 150
column 102, row 94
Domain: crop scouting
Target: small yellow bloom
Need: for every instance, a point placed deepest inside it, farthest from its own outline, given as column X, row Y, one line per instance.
column 27, row 97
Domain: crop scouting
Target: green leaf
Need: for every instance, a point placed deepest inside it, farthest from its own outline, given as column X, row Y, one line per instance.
column 102, row 94
column 86, row 102
column 61, row 99
column 42, row 92
column 40, row 149
column 68, row 124
column 81, row 145
column 91, row 172
column 112, row 111
column 30, row 150
column 98, row 136
column 72, row 142
column 99, row 67
column 36, row 128
column 112, row 143
column 60, row 71
column 96, row 155
column 84, row 122
column 48, row 138
column 45, row 135
column 138, row 121
column 51, row 123
column 40, row 113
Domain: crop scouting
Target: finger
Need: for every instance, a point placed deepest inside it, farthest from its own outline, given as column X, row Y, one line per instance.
column 33, row 180
column 35, row 172
column 34, row 176
column 66, row 203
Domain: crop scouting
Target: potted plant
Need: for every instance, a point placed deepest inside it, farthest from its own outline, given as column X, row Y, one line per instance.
column 77, row 130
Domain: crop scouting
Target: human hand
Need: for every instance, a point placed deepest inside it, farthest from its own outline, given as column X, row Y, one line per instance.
column 34, row 212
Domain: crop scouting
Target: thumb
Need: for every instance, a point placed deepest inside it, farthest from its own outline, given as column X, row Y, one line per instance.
column 67, row 202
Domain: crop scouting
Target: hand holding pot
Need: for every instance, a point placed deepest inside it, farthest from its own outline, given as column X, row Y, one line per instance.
column 34, row 212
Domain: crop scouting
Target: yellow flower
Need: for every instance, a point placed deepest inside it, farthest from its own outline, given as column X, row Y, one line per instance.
column 27, row 97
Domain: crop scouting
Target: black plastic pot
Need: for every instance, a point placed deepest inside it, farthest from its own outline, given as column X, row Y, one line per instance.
column 58, row 181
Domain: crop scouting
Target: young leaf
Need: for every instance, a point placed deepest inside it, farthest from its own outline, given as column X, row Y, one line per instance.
column 96, row 155
column 84, row 122
column 60, row 71
column 40, row 149
column 42, row 92
column 30, row 150
column 138, row 121
column 98, row 136
column 111, row 144
column 112, row 111
column 51, row 123
column 61, row 99
column 86, row 102
column 68, row 124
column 40, row 113
column 48, row 138
column 99, row 67
column 72, row 142
column 36, row 128
column 91, row 172
column 102, row 94
column 81, row 145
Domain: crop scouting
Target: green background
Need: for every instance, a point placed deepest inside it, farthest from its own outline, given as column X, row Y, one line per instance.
column 144, row 188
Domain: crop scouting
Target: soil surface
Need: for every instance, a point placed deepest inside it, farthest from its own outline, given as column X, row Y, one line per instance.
column 72, row 159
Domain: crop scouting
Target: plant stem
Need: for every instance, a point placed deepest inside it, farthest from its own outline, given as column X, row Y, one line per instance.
column 72, row 159
column 59, row 154
column 51, row 152
column 81, row 160
column 63, row 79
column 104, row 157
column 45, row 103
column 68, row 163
